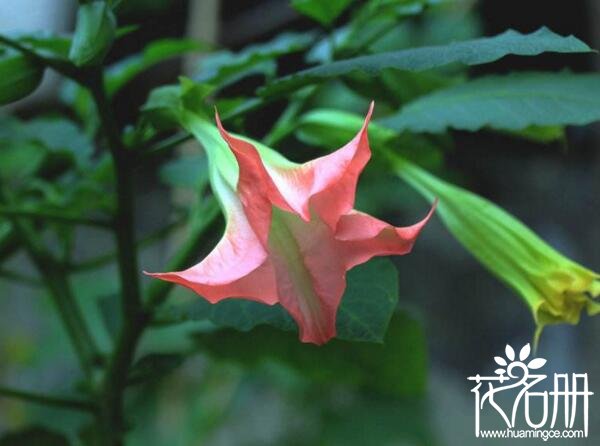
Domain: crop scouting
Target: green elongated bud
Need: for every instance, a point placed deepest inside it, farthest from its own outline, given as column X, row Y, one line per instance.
column 556, row 288
column 19, row 76
column 95, row 31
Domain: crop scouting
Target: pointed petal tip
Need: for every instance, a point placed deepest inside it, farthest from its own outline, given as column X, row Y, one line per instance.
column 434, row 206
column 218, row 122
column 163, row 276
column 371, row 108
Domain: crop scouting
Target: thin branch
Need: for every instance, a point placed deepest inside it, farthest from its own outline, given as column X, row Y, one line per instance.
column 56, row 216
column 49, row 400
column 21, row 278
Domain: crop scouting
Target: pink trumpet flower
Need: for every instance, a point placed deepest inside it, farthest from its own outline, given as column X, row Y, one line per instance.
column 291, row 232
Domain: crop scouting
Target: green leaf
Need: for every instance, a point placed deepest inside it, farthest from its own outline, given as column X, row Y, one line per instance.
column 323, row 12
column 95, row 31
column 19, row 76
column 395, row 87
column 396, row 367
column 34, row 436
column 119, row 74
column 224, row 67
column 470, row 52
column 189, row 171
column 20, row 160
column 56, row 134
column 154, row 366
column 60, row 135
column 512, row 102
column 46, row 44
column 81, row 102
column 367, row 306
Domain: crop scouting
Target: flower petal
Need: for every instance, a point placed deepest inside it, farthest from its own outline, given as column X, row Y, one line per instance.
column 310, row 277
column 362, row 237
column 255, row 188
column 327, row 184
column 238, row 256
column 258, row 285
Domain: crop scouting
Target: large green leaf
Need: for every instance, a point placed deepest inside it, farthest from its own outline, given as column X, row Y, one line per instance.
column 367, row 306
column 512, row 102
column 470, row 52
column 396, row 367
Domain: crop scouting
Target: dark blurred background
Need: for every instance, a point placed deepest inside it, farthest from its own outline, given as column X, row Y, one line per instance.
column 467, row 314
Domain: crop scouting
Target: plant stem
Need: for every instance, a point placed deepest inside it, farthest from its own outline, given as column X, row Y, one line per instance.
column 134, row 315
column 48, row 400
